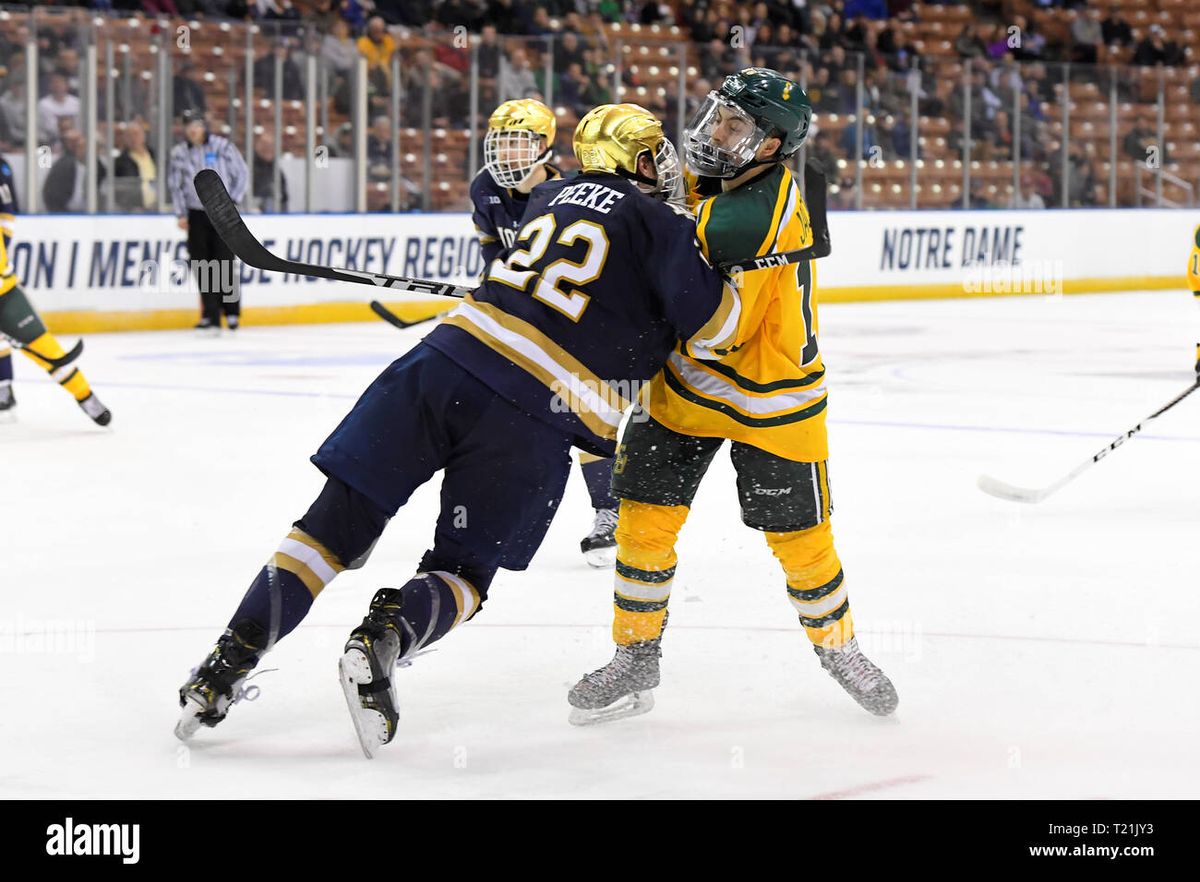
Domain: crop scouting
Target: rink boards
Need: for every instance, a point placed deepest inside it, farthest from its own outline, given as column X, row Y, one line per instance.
column 126, row 272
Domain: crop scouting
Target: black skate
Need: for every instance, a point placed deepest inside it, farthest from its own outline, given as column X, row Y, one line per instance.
column 8, row 404
column 855, row 673
column 620, row 689
column 366, row 669
column 207, row 328
column 216, row 684
column 100, row 414
column 599, row 547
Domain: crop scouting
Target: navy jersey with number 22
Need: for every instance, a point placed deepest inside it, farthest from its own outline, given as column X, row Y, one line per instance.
column 599, row 286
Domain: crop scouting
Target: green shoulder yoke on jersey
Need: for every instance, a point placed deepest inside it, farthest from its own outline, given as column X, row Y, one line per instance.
column 735, row 225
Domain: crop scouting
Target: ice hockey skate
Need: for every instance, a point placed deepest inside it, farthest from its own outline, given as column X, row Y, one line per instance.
column 366, row 669
column 8, row 404
column 216, row 684
column 620, row 689
column 855, row 673
column 98, row 413
column 599, row 547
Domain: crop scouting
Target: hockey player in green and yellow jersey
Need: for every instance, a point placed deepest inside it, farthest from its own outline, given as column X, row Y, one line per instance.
column 20, row 324
column 1193, row 273
column 766, row 394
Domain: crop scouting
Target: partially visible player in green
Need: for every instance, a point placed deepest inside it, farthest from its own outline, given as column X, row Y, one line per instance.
column 20, row 324
column 1193, row 273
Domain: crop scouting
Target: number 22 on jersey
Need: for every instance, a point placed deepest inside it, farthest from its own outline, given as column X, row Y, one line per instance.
column 538, row 233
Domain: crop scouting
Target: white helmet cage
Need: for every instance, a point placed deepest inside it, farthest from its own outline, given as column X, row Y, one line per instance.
column 511, row 155
column 743, row 136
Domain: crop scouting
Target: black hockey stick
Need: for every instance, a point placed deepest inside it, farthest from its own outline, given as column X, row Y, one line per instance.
column 1024, row 494
column 229, row 224
column 392, row 319
column 55, row 363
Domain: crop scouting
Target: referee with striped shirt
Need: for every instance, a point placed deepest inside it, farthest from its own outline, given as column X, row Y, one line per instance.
column 210, row 257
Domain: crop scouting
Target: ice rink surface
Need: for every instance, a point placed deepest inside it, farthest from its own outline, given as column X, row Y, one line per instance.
column 1039, row 651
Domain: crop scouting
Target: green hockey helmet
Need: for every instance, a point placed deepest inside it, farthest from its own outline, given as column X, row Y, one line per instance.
column 752, row 105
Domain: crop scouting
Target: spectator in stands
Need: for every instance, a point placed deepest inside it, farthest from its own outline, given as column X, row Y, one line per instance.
column 54, row 107
column 342, row 146
column 937, row 104
column 904, row 55
column 842, row 194
column 567, row 51
column 821, row 150
column 64, row 188
column 10, row 46
column 869, row 140
column 1086, row 36
column 378, row 46
column 968, row 44
column 338, row 50
column 1115, row 29
column 489, row 53
column 1081, row 177
column 516, row 77
column 67, row 64
column 187, row 93
column 1027, row 196
column 956, row 141
column 1001, row 140
column 292, row 85
column 12, row 107
column 264, row 177
column 1141, row 142
column 1156, row 49
column 136, row 172
column 833, row 33
column 1031, row 45
column 1194, row 91
column 577, row 91
column 379, row 149
column 901, row 135
column 979, row 198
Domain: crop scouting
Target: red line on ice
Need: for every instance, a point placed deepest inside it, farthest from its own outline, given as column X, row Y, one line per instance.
column 871, row 787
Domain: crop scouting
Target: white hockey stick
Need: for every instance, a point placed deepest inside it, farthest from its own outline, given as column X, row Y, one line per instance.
column 1001, row 490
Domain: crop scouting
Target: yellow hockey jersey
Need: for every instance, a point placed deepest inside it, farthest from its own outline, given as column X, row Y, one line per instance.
column 767, row 389
column 1193, row 271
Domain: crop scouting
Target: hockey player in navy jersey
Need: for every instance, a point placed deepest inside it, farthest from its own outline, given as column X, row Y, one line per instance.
column 517, row 151
column 602, row 282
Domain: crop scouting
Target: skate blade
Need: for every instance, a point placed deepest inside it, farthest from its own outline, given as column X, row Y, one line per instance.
column 601, row 558
column 189, row 719
column 369, row 725
column 7, row 417
column 632, row 705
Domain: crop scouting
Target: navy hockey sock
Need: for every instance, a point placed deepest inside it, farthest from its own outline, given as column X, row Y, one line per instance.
column 431, row 605
column 598, row 475
column 283, row 591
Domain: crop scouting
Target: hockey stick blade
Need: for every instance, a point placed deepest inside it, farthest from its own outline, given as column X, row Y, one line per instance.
column 395, row 321
column 227, row 221
column 55, row 363
column 1001, row 490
